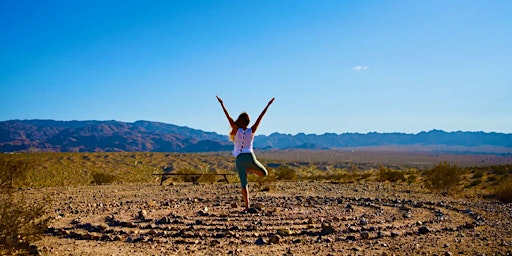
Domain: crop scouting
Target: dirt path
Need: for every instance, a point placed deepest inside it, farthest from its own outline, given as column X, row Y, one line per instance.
column 302, row 218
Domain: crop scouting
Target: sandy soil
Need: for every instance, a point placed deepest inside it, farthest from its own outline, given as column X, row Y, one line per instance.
column 296, row 218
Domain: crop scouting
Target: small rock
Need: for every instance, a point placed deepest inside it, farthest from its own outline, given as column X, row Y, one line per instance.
column 363, row 221
column 253, row 210
column 365, row 235
column 395, row 233
column 275, row 239
column 283, row 232
column 260, row 241
column 351, row 238
column 327, row 229
column 424, row 230
column 469, row 226
column 164, row 220
column 381, row 234
column 234, row 205
column 143, row 214
column 258, row 206
column 353, row 229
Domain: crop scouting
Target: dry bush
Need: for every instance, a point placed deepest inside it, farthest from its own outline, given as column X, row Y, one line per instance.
column 504, row 191
column 21, row 223
column 388, row 174
column 285, row 173
column 13, row 171
column 443, row 177
column 100, row 178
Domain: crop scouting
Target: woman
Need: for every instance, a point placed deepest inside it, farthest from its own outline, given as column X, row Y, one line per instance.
column 243, row 138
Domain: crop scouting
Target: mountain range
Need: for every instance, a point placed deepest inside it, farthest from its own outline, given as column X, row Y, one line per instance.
column 111, row 136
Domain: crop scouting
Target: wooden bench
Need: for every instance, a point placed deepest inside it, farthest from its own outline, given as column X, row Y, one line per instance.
column 194, row 176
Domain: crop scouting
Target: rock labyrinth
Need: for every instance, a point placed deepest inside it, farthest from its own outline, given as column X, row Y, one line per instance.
column 302, row 219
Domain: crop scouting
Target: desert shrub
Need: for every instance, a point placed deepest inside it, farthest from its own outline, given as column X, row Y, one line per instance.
column 443, row 177
column 478, row 175
column 388, row 174
column 412, row 175
column 501, row 169
column 504, row 191
column 21, row 223
column 474, row 183
column 12, row 171
column 285, row 173
column 102, row 178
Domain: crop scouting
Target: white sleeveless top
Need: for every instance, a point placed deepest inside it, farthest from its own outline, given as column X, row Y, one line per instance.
column 243, row 141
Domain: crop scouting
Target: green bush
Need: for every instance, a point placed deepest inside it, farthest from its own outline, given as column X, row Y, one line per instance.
column 504, row 191
column 443, row 177
column 388, row 174
column 103, row 178
column 21, row 223
column 13, row 171
column 474, row 183
column 285, row 173
column 478, row 175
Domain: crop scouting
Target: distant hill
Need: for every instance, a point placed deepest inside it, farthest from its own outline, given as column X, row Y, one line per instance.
column 109, row 136
column 434, row 137
column 105, row 136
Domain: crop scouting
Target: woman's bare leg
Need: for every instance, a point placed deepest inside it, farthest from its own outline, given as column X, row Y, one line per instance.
column 245, row 196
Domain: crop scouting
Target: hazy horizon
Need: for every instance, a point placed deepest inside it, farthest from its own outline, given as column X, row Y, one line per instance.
column 333, row 66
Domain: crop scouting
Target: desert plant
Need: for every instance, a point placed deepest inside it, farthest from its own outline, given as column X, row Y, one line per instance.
column 504, row 191
column 478, row 175
column 102, row 178
column 285, row 173
column 443, row 177
column 474, row 183
column 12, row 171
column 388, row 174
column 21, row 223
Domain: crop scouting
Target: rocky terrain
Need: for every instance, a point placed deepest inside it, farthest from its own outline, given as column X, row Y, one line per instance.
column 288, row 218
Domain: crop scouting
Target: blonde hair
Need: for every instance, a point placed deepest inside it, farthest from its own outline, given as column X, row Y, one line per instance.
column 241, row 122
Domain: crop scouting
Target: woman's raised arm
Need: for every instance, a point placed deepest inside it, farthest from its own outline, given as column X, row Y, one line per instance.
column 257, row 123
column 230, row 120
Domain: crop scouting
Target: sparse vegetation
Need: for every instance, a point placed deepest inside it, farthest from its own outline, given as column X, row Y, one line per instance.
column 388, row 174
column 13, row 171
column 443, row 177
column 286, row 173
column 78, row 169
column 100, row 178
column 504, row 191
column 21, row 223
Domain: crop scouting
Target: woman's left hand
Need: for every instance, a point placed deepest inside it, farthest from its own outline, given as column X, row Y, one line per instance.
column 220, row 100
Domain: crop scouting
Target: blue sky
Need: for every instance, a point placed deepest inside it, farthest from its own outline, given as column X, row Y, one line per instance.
column 333, row 66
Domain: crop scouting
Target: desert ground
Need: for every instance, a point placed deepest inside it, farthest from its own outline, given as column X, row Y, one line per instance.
column 310, row 216
column 292, row 218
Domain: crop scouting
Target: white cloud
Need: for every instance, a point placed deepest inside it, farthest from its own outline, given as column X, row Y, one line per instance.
column 360, row 68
